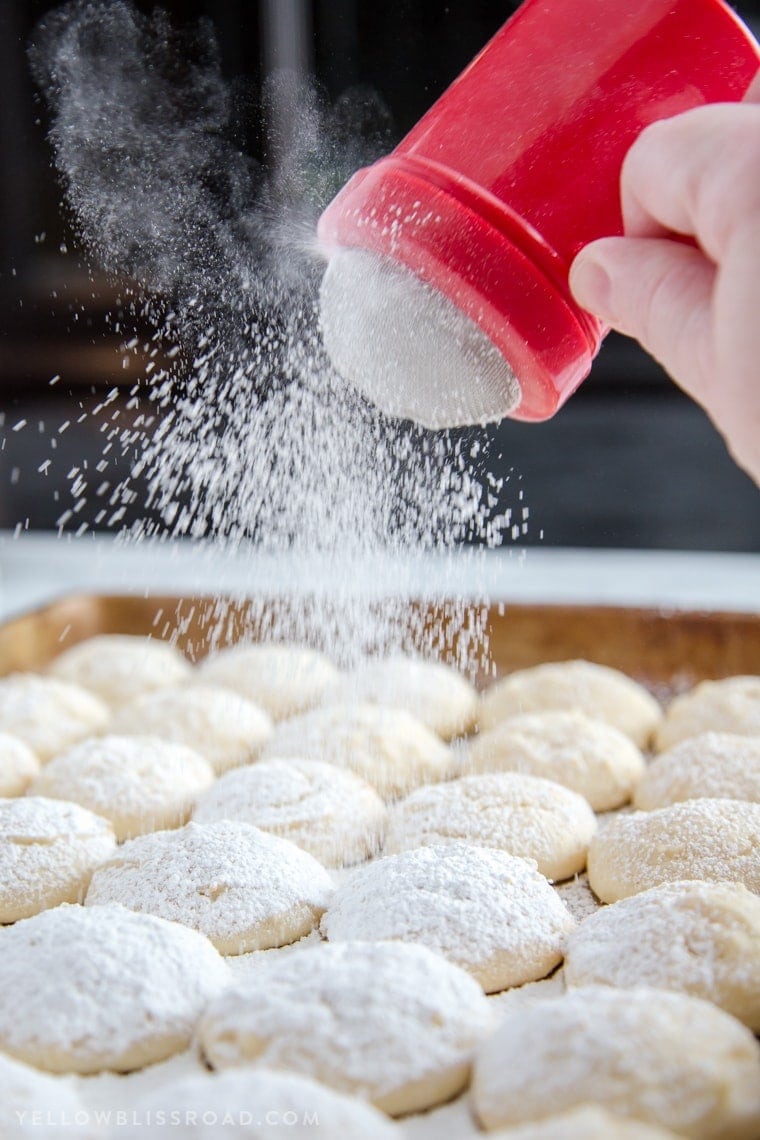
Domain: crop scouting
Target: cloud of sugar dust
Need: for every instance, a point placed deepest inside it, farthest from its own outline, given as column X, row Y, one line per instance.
column 259, row 444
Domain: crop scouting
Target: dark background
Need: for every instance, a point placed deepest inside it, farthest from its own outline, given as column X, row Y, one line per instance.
column 630, row 462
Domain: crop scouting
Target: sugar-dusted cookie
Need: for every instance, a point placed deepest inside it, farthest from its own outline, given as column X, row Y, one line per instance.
column 18, row 765
column 47, row 714
column 729, row 705
column 391, row 1022
column 574, row 686
column 283, row 679
column 714, row 765
column 84, row 989
column 523, row 815
column 242, row 888
column 139, row 783
column 330, row 812
column 118, row 667
column 48, row 851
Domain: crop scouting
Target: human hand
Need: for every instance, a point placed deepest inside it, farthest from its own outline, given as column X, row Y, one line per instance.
column 696, row 310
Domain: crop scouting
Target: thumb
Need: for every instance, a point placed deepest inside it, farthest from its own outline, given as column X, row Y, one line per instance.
column 656, row 290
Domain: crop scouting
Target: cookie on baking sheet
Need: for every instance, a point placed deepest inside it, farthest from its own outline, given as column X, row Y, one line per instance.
column 283, row 679
column 139, row 783
column 488, row 912
column 18, row 765
column 574, row 686
column 663, row 1058
column 435, row 693
column 256, row 1104
column 36, row 1106
column 48, row 851
column 523, row 815
column 712, row 840
column 715, row 765
column 693, row 937
column 118, row 667
column 729, row 705
column 389, row 748
column 586, row 755
column 391, row 1022
column 48, row 714
column 244, row 889
column 86, row 989
column 225, row 728
column 330, row 812
column 587, row 1122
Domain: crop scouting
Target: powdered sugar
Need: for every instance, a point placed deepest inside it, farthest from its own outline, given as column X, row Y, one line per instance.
column 391, row 1022
column 489, row 912
column 85, row 989
column 242, row 888
column 328, row 811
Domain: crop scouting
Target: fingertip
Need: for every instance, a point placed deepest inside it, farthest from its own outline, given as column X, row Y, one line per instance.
column 591, row 285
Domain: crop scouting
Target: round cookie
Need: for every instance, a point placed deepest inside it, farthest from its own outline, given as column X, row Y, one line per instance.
column 329, row 812
column 389, row 748
column 715, row 765
column 730, row 705
column 713, row 840
column 222, row 726
column 35, row 1106
column 662, row 1058
column 284, row 680
column 255, row 1104
column 18, row 766
column 48, row 715
column 574, row 686
column 119, row 667
column 390, row 1022
column 693, row 937
column 587, row 1122
column 587, row 756
column 86, row 989
column 245, row 890
column 522, row 815
column 435, row 693
column 488, row 912
column 139, row 783
column 48, row 851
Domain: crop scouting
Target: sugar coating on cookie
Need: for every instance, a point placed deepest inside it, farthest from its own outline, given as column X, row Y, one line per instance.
column 47, row 714
column 587, row 1122
column 391, row 1022
column 276, row 1101
column 715, row 765
column 663, row 1058
column 586, row 755
column 244, row 889
column 36, row 1105
column 18, row 765
column 284, row 680
column 694, row 937
column 712, row 840
column 88, row 989
column 435, row 693
column 330, row 812
column 523, row 815
column 580, row 686
column 225, row 728
column 389, row 748
column 139, row 783
column 731, row 705
column 120, row 667
column 48, row 851
column 488, row 912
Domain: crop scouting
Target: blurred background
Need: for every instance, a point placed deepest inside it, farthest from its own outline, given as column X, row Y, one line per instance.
column 629, row 462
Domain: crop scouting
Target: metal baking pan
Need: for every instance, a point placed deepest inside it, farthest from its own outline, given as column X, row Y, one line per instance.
column 662, row 649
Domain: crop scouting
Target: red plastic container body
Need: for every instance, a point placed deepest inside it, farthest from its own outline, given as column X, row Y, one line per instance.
column 517, row 166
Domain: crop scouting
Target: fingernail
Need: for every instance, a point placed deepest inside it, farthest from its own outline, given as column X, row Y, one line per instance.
column 591, row 286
